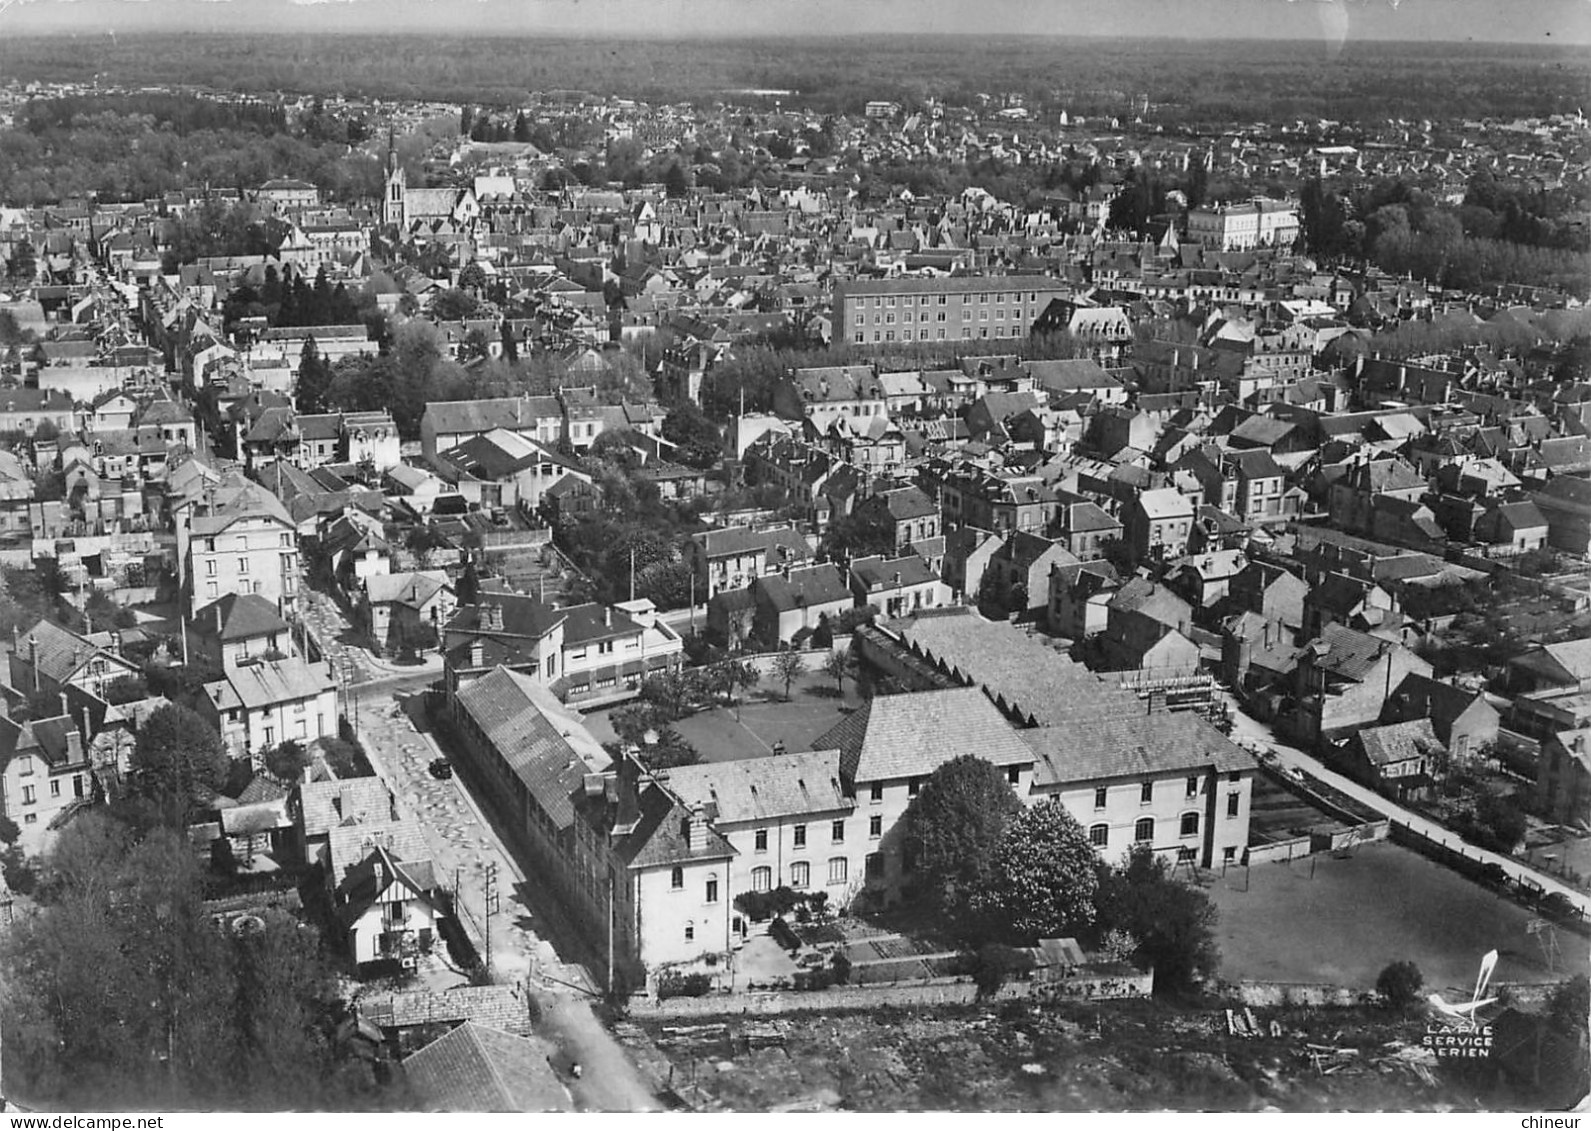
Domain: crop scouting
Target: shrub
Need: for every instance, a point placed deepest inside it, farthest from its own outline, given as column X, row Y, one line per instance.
column 819, row 979
column 672, row 983
column 842, row 968
column 1399, row 985
column 996, row 963
column 784, row 934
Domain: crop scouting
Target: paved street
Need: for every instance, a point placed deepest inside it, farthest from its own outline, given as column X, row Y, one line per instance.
column 464, row 844
column 1245, row 727
column 353, row 662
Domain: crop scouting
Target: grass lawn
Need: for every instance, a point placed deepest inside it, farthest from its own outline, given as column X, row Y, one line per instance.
column 762, row 719
column 1382, row 904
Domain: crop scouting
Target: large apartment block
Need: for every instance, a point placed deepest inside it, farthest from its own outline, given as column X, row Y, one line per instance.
column 868, row 312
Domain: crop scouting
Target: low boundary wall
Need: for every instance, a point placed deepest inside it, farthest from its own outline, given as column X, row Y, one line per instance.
column 937, row 991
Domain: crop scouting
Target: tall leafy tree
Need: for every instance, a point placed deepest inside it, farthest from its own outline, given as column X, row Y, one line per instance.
column 314, row 379
column 786, row 667
column 23, row 264
column 121, row 990
column 177, row 758
column 1046, row 873
column 1174, row 922
column 953, row 828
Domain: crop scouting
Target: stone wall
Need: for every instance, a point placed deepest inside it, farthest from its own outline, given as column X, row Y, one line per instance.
column 934, row 991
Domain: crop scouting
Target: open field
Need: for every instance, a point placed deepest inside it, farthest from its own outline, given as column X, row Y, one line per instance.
column 1340, row 921
column 751, row 729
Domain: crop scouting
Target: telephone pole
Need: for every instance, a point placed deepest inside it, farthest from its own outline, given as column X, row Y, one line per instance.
column 491, row 909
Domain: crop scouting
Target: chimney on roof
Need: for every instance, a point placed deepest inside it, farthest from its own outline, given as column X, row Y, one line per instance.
column 33, row 655
column 380, row 873
column 627, row 794
column 607, row 616
column 696, row 829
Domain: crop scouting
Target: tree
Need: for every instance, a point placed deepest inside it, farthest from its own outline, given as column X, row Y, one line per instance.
column 995, row 963
column 23, row 265
column 786, row 667
column 696, row 437
column 731, row 674
column 675, row 182
column 314, row 379
column 286, row 761
column 837, row 665
column 668, row 750
column 953, row 828
column 472, row 278
column 860, row 534
column 122, row 990
column 1399, row 985
column 1173, row 922
column 454, row 305
column 1045, row 875
column 521, row 128
column 177, row 757
column 9, row 832
column 126, row 689
column 510, row 344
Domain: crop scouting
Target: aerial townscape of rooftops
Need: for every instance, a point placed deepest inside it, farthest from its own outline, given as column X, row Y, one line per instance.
column 1088, row 593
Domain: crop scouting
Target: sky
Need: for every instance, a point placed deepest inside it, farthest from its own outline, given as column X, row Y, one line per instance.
column 1516, row 21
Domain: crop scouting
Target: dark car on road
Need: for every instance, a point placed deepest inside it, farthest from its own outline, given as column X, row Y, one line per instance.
column 441, row 769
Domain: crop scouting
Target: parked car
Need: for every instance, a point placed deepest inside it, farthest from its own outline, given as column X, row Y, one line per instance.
column 441, row 769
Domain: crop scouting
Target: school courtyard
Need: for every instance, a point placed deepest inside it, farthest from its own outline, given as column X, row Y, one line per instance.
column 1325, row 919
column 760, row 721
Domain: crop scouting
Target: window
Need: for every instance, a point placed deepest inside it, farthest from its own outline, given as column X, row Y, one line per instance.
column 800, row 836
column 1235, row 775
column 1193, row 785
column 690, row 932
column 800, row 874
column 1190, row 824
column 1099, row 835
column 914, row 787
column 1144, row 830
column 759, row 840
column 270, row 736
column 837, row 832
column 837, row 870
column 1147, row 793
column 711, row 895
column 676, row 879
column 876, row 794
column 1233, row 800
column 1013, row 774
column 1229, row 855
column 243, row 565
column 30, row 794
column 875, row 827
column 25, row 766
column 761, row 878
column 55, row 788
column 209, row 567
column 30, row 818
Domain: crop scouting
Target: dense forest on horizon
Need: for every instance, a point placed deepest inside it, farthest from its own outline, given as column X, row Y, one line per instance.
column 1187, row 82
